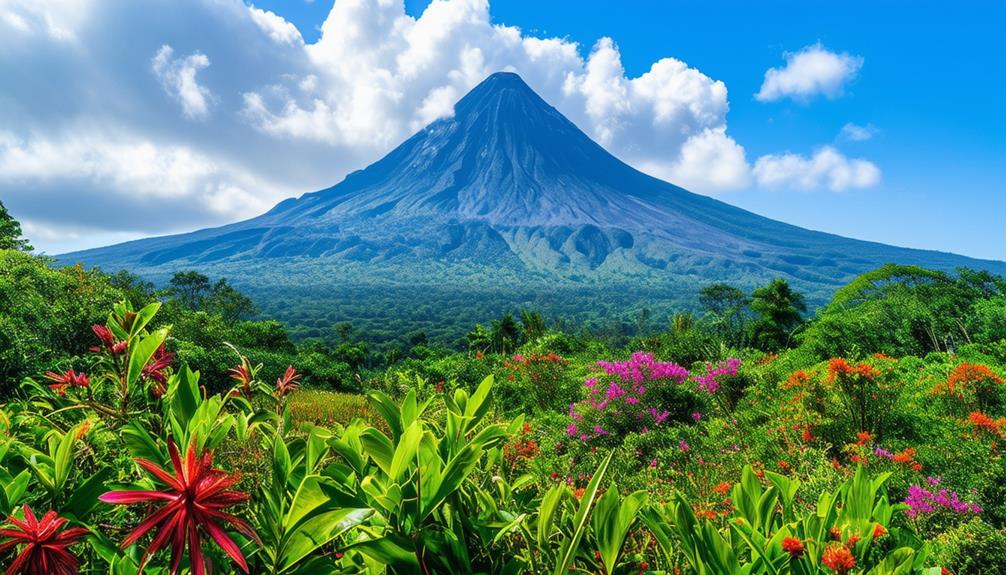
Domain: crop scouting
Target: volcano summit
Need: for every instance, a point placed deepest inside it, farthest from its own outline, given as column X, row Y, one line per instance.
column 510, row 199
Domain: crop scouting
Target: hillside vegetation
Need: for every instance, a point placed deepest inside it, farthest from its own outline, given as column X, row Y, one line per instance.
column 175, row 431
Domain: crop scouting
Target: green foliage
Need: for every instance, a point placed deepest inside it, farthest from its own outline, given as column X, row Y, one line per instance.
column 780, row 312
column 907, row 310
column 44, row 314
column 10, row 233
column 974, row 548
column 443, row 468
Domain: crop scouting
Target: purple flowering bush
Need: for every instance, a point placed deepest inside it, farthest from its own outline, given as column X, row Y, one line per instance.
column 640, row 395
column 922, row 501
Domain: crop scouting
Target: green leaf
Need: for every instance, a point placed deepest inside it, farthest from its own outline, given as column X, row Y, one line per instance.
column 572, row 544
column 405, row 451
column 281, row 463
column 318, row 531
column 140, row 354
column 85, row 496
column 379, row 448
column 390, row 550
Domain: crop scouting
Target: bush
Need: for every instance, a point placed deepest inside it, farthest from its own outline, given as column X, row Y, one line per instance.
column 972, row 548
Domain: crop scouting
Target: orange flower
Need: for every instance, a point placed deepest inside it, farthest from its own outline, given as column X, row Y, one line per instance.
column 879, row 531
column 851, row 542
column 838, row 559
column 863, row 437
column 986, row 423
column 835, row 533
column 722, row 488
column 796, row 379
column 793, row 546
column 964, row 378
column 906, row 455
column 808, row 436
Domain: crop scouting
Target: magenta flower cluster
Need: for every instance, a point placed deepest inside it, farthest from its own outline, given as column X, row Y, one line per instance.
column 619, row 399
column 710, row 381
column 623, row 399
column 922, row 501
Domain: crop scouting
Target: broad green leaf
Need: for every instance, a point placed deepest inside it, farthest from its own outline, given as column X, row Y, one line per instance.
column 140, row 354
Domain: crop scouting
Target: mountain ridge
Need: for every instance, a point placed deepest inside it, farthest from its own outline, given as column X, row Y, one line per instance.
column 508, row 183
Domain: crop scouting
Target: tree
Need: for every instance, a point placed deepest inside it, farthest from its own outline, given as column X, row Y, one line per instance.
column 907, row 310
column 533, row 324
column 780, row 312
column 720, row 299
column 343, row 329
column 10, row 233
column 506, row 336
column 729, row 308
column 190, row 288
column 642, row 320
column 231, row 304
column 479, row 338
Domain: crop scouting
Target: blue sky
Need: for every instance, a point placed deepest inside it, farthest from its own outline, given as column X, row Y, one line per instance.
column 227, row 109
column 930, row 84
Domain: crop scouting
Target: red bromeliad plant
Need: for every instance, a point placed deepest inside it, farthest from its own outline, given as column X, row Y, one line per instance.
column 62, row 381
column 288, row 383
column 45, row 542
column 192, row 508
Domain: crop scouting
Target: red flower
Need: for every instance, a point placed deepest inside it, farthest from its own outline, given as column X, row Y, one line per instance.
column 287, row 383
column 243, row 375
column 108, row 340
column 879, row 531
column 62, row 381
column 839, row 559
column 793, row 546
column 154, row 370
column 193, row 507
column 45, row 545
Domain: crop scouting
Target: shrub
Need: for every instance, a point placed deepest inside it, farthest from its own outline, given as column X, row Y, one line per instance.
column 972, row 548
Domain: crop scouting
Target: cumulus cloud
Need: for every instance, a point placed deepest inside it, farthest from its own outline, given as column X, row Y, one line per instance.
column 276, row 27
column 856, row 133
column 128, row 174
column 378, row 75
column 826, row 169
column 812, row 71
column 178, row 77
column 93, row 142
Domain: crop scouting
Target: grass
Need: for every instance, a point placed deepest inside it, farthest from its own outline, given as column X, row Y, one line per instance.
column 326, row 408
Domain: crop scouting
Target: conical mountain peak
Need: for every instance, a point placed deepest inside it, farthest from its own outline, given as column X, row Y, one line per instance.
column 508, row 182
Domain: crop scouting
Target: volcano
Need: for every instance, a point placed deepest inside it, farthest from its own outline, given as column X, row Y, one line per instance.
column 508, row 192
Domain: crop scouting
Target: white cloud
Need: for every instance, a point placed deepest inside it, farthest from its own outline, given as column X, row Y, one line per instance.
column 93, row 142
column 378, row 75
column 59, row 19
column 856, row 133
column 278, row 29
column 812, row 71
column 826, row 169
column 131, row 170
column 178, row 78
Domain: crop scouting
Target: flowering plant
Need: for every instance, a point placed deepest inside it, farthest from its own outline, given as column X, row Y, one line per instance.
column 625, row 397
